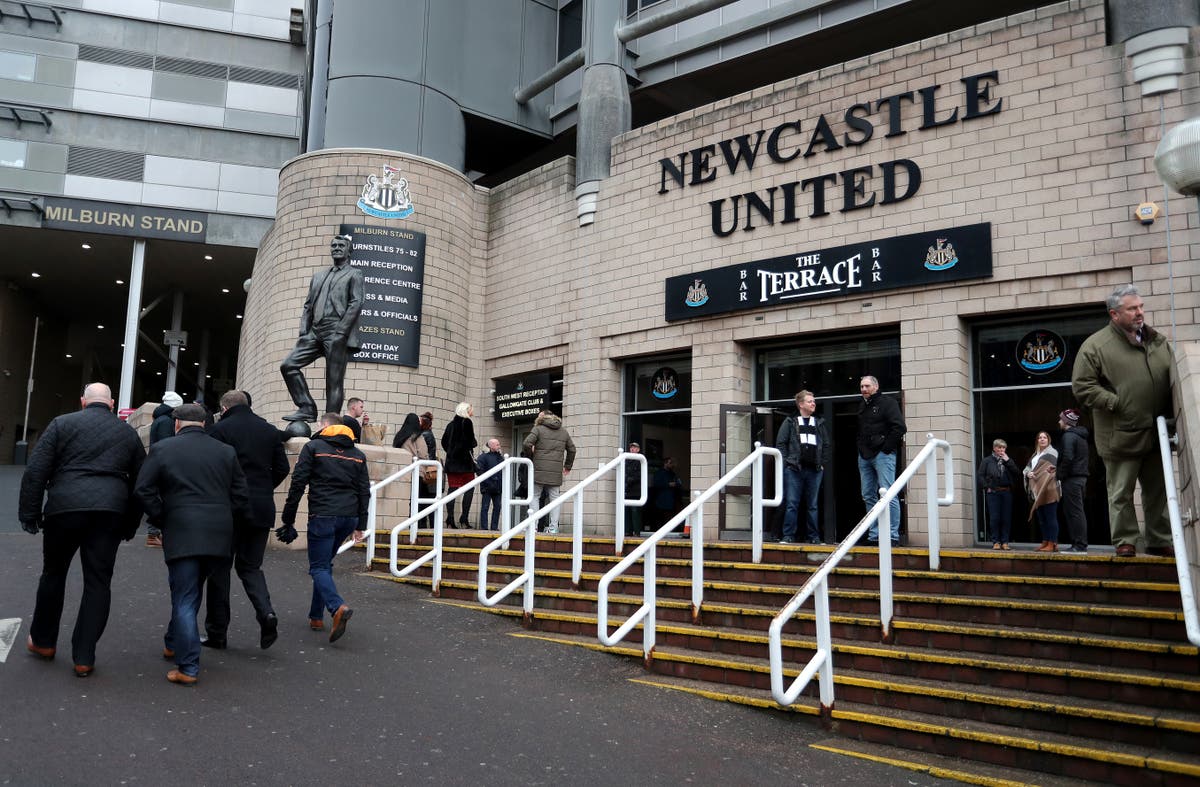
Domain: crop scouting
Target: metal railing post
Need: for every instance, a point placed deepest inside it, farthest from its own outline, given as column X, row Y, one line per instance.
column 697, row 561
column 619, row 512
column 1187, row 591
column 650, row 600
column 825, row 643
column 756, row 523
column 931, row 511
column 371, row 527
column 885, row 569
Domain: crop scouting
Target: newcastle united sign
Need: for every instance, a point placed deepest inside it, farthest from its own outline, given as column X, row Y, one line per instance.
column 860, row 268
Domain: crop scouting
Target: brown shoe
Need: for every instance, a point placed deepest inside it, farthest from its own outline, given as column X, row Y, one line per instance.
column 996, row 545
column 154, row 541
column 1126, row 550
column 1004, row 546
column 1048, row 546
column 83, row 671
column 175, row 676
column 316, row 625
column 168, row 654
column 1167, row 551
column 340, row 619
column 41, row 653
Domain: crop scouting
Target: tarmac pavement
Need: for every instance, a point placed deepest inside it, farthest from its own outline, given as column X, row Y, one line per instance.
column 416, row 691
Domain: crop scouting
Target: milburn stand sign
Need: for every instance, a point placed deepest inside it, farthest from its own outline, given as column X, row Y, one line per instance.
column 393, row 265
column 858, row 269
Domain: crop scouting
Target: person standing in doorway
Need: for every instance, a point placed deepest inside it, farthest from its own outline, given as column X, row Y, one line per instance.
column 1042, row 485
column 633, row 491
column 1123, row 374
column 490, row 488
column 458, row 441
column 84, row 465
column 881, row 429
column 553, row 452
column 265, row 465
column 804, row 442
column 666, row 489
column 1072, row 478
column 997, row 475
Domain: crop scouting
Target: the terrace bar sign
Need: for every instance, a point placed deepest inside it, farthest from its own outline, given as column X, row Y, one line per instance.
column 859, row 268
column 522, row 398
column 111, row 218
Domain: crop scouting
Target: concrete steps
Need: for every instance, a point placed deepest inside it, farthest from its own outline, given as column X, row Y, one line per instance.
column 1070, row 667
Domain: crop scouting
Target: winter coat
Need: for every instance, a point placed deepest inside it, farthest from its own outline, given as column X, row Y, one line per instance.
column 994, row 474
column 663, row 496
column 486, row 461
column 85, row 461
column 1126, row 385
column 260, row 454
column 787, row 440
column 552, row 450
column 335, row 473
column 458, row 441
column 163, row 425
column 1073, row 458
column 354, row 426
column 880, row 426
column 194, row 490
column 1041, row 482
column 633, row 479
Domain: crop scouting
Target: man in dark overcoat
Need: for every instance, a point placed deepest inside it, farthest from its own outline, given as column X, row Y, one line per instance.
column 84, row 464
column 263, row 460
column 194, row 488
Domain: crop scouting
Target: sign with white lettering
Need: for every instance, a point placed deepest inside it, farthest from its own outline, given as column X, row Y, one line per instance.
column 392, row 262
column 861, row 268
column 524, row 397
column 110, row 218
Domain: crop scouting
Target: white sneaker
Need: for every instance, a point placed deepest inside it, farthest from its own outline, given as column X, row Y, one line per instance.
column 551, row 531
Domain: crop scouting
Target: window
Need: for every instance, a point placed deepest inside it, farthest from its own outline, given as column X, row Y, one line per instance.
column 570, row 28
column 17, row 65
column 12, row 153
column 828, row 368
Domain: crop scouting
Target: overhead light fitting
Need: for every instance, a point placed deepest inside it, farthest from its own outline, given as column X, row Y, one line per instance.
column 100, row 327
column 86, row 246
column 120, row 281
column 36, row 275
column 208, row 256
column 225, row 289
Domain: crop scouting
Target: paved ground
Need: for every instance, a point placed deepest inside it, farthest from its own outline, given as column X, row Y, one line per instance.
column 416, row 691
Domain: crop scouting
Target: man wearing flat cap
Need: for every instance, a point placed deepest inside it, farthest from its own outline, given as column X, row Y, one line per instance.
column 194, row 488
column 328, row 329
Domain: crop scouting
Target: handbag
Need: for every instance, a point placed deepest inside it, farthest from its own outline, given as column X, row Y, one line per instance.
column 429, row 474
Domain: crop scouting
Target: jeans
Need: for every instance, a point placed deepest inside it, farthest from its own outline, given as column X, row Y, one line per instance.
column 186, row 576
column 999, row 514
column 490, row 500
column 874, row 473
column 249, row 546
column 551, row 496
column 325, row 535
column 1072, row 504
column 801, row 490
column 1047, row 517
column 95, row 535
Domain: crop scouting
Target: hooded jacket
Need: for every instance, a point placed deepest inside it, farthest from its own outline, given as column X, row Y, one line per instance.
column 1073, row 458
column 1126, row 385
column 552, row 450
column 335, row 473
column 163, row 425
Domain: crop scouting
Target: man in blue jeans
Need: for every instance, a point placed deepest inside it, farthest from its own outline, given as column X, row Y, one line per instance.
column 804, row 442
column 880, row 430
column 194, row 489
column 339, row 491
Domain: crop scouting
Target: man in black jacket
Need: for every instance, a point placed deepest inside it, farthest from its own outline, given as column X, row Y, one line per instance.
column 806, row 448
column 162, row 428
column 997, row 476
column 265, row 465
column 1072, row 473
column 85, row 465
column 339, row 492
column 194, row 488
column 880, row 429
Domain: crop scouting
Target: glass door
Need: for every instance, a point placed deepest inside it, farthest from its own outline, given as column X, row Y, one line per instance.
column 737, row 439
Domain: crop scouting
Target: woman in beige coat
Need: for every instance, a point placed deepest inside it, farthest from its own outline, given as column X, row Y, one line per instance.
column 1042, row 485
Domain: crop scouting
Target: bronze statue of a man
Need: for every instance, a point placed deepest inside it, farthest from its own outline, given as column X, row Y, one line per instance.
column 329, row 328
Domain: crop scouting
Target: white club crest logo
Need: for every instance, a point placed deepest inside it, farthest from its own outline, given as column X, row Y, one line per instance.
column 386, row 197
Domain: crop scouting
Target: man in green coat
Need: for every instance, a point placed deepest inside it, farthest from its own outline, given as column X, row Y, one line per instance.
column 1123, row 373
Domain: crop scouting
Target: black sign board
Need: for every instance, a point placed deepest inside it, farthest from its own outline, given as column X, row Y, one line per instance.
column 859, row 268
column 522, row 398
column 111, row 218
column 392, row 262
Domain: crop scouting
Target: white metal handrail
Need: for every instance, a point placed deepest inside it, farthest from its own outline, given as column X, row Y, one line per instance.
column 1183, row 567
column 411, row 470
column 818, row 584
column 694, row 513
column 621, row 503
column 437, row 509
column 528, row 524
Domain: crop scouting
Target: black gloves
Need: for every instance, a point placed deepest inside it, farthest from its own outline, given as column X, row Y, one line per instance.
column 30, row 527
column 287, row 534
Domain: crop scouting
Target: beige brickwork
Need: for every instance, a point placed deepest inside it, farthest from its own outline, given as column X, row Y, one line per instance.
column 514, row 286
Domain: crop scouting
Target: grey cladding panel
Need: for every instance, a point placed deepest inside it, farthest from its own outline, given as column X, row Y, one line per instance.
column 101, row 163
column 31, row 182
column 379, row 38
column 55, row 71
column 192, row 90
column 46, row 157
column 216, row 5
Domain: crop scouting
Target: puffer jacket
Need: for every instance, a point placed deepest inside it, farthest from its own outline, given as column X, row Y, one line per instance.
column 85, row 461
column 1073, row 459
column 335, row 473
column 163, row 425
column 552, row 450
column 1126, row 385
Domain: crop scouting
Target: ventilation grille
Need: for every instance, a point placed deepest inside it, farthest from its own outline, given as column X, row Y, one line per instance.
column 116, row 57
column 194, row 68
column 101, row 163
column 258, row 76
